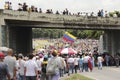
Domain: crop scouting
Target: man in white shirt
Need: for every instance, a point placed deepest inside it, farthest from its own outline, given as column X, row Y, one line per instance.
column 30, row 69
column 85, row 62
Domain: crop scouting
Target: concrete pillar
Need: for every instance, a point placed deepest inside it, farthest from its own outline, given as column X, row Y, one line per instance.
column 116, row 35
column 112, row 44
column 111, row 41
column 21, row 39
column 3, row 36
column 105, row 42
column 108, row 42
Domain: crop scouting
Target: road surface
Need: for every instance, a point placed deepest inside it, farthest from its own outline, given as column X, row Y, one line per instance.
column 107, row 73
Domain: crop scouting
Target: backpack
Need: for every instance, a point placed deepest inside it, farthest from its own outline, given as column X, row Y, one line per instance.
column 51, row 67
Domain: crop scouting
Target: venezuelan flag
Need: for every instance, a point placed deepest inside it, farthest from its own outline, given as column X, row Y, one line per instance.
column 69, row 37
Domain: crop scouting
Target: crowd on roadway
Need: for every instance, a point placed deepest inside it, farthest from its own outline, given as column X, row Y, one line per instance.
column 49, row 64
column 25, row 7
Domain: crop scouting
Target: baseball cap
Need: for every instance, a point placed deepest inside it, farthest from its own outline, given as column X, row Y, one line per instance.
column 1, row 54
column 45, row 56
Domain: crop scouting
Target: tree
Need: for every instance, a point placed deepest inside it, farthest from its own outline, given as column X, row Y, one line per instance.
column 58, row 33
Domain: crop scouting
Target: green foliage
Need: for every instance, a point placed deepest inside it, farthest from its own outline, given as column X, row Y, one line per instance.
column 77, row 77
column 58, row 33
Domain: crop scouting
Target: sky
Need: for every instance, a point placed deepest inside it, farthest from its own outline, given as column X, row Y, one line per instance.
column 72, row 5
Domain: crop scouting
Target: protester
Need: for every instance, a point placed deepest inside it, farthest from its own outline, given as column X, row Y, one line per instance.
column 117, row 60
column 10, row 6
column 11, row 62
column 107, row 58
column 81, row 63
column 25, row 6
column 6, row 5
column 20, row 7
column 53, row 66
column 30, row 69
column 3, row 68
column 85, row 62
column 44, row 66
column 76, row 63
column 100, row 60
column 21, row 63
column 70, row 62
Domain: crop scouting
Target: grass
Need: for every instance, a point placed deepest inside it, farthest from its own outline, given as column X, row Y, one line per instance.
column 77, row 77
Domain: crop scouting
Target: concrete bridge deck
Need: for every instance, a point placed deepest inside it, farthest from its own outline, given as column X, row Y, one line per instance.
column 44, row 20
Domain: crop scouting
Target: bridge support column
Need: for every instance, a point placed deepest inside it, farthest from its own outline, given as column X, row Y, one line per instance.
column 20, row 39
column 111, row 41
column 3, row 36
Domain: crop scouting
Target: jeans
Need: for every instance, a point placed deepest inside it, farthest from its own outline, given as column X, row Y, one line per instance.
column 85, row 66
column 81, row 67
column 21, row 77
column 117, row 63
column 30, row 77
column 61, row 72
column 76, row 67
column 99, row 65
column 71, row 68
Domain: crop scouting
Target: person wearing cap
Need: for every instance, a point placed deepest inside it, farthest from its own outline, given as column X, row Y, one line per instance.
column 43, row 70
column 11, row 62
column 21, row 64
column 3, row 68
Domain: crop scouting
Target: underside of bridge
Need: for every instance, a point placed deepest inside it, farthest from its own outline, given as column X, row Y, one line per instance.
column 111, row 41
column 18, row 38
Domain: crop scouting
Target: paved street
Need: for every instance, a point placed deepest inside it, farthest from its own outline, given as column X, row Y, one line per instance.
column 107, row 73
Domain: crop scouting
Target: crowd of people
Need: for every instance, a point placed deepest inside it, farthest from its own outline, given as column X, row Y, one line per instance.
column 32, row 8
column 49, row 64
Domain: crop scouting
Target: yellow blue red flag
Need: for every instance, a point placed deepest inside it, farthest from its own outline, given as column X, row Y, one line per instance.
column 69, row 37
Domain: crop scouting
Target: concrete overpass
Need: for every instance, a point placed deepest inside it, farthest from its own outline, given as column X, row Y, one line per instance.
column 16, row 28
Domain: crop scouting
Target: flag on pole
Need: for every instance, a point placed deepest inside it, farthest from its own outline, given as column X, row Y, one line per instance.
column 69, row 37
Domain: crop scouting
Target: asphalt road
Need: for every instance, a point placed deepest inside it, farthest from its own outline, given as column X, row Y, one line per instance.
column 107, row 73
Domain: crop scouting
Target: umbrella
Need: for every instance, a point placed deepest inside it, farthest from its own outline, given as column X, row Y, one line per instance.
column 4, row 49
column 68, row 51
